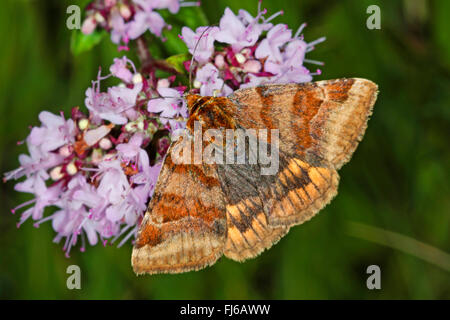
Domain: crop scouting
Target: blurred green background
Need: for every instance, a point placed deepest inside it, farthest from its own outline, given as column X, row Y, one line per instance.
column 397, row 181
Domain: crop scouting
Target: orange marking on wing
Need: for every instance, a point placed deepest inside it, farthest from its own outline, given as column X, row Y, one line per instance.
column 295, row 199
column 150, row 235
column 306, row 106
column 338, row 91
column 316, row 177
column 294, row 167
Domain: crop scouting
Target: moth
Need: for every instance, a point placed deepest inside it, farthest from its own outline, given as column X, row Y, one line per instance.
column 201, row 211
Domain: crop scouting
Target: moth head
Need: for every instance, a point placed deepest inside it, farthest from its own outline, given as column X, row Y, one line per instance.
column 192, row 102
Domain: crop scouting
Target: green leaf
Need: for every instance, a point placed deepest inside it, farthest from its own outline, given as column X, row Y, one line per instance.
column 176, row 61
column 81, row 42
column 83, row 3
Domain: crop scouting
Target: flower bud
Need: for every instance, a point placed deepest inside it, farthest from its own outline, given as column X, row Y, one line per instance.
column 163, row 83
column 137, row 78
column 65, row 151
column 71, row 169
column 197, row 84
column 109, row 157
column 56, row 174
column 252, row 66
column 105, row 144
column 130, row 127
column 240, row 57
column 92, row 136
column 152, row 128
column 219, row 61
column 97, row 156
column 246, row 52
column 125, row 11
column 83, row 123
column 140, row 125
column 110, row 3
column 99, row 18
column 89, row 25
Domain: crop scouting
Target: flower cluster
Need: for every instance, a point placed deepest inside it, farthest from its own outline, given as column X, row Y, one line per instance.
column 246, row 51
column 128, row 19
column 99, row 168
column 96, row 169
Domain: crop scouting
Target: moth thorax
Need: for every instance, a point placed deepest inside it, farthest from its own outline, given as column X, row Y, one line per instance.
column 193, row 101
column 209, row 112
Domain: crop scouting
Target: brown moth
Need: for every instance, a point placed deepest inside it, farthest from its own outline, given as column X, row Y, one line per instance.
column 202, row 211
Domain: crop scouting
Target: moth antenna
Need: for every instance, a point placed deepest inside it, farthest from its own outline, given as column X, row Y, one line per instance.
column 193, row 54
column 180, row 119
column 153, row 98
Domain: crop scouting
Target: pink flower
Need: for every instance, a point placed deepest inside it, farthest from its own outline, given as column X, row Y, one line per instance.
column 130, row 19
column 82, row 193
column 270, row 46
column 42, row 141
column 200, row 43
column 119, row 69
column 44, row 196
column 146, row 19
column 73, row 218
column 119, row 30
column 113, row 182
column 54, row 133
column 252, row 66
column 112, row 105
column 252, row 57
column 148, row 175
column 89, row 25
column 237, row 31
column 92, row 136
column 170, row 105
column 289, row 70
column 172, row 5
column 36, row 164
column 211, row 83
column 131, row 149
